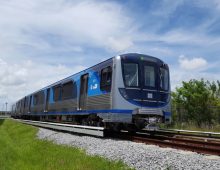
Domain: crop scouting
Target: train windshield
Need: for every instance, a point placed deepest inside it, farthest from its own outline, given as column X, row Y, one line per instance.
column 164, row 79
column 149, row 76
column 131, row 74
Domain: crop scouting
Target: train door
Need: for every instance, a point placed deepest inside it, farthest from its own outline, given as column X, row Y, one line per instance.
column 47, row 100
column 149, row 84
column 83, row 91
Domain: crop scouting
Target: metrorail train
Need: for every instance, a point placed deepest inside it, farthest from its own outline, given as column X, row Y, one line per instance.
column 129, row 91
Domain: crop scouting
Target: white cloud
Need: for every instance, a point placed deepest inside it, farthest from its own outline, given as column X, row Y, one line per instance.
column 178, row 75
column 193, row 69
column 32, row 28
column 192, row 64
column 18, row 80
column 182, row 37
column 119, row 44
column 93, row 23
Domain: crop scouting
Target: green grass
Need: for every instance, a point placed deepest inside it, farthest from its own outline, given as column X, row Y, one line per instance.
column 188, row 126
column 21, row 150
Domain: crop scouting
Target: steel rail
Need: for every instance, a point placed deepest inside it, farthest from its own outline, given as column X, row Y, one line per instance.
column 204, row 149
column 184, row 139
column 190, row 132
column 88, row 130
column 195, row 145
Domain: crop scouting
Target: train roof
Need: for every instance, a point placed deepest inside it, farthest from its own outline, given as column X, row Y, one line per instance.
column 145, row 57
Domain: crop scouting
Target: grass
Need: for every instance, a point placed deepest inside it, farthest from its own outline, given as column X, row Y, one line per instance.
column 21, row 150
column 190, row 126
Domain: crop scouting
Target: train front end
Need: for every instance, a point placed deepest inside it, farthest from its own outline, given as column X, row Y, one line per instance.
column 144, row 88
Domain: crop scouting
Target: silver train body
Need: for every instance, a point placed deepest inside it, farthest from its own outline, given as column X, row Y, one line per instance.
column 129, row 89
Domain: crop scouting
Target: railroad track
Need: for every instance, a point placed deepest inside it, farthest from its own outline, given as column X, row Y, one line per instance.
column 199, row 145
column 204, row 145
column 188, row 133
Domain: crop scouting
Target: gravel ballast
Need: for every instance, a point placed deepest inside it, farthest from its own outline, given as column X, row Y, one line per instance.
column 137, row 155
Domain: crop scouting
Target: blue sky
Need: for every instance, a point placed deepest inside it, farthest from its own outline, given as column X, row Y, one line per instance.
column 42, row 41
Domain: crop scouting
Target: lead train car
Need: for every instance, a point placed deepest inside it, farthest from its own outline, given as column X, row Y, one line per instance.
column 130, row 90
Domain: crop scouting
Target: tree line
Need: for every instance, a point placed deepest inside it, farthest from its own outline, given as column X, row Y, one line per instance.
column 197, row 102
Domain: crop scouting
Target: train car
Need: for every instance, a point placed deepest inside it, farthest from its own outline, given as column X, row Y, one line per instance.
column 129, row 90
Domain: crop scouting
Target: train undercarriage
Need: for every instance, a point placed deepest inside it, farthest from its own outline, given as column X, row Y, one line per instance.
column 150, row 122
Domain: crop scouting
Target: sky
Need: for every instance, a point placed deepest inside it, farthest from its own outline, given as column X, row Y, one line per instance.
column 43, row 41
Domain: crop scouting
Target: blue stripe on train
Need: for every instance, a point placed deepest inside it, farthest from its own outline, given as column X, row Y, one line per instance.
column 167, row 114
column 84, row 111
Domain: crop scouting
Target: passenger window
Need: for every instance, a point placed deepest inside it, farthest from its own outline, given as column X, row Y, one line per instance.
column 26, row 104
column 69, row 91
column 38, row 98
column 41, row 97
column 30, row 103
column 106, row 79
column 25, row 101
column 57, row 93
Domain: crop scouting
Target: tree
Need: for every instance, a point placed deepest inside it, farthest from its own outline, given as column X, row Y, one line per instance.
column 193, row 102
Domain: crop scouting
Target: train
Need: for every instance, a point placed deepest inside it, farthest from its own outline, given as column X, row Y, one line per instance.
column 128, row 91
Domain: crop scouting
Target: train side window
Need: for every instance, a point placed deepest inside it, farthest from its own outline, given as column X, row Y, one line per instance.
column 24, row 100
column 41, row 97
column 35, row 99
column 30, row 103
column 164, row 78
column 17, row 107
column 69, row 91
column 26, row 103
column 23, row 104
column 19, row 103
column 20, row 106
column 106, row 79
column 38, row 98
column 74, row 90
column 57, row 93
